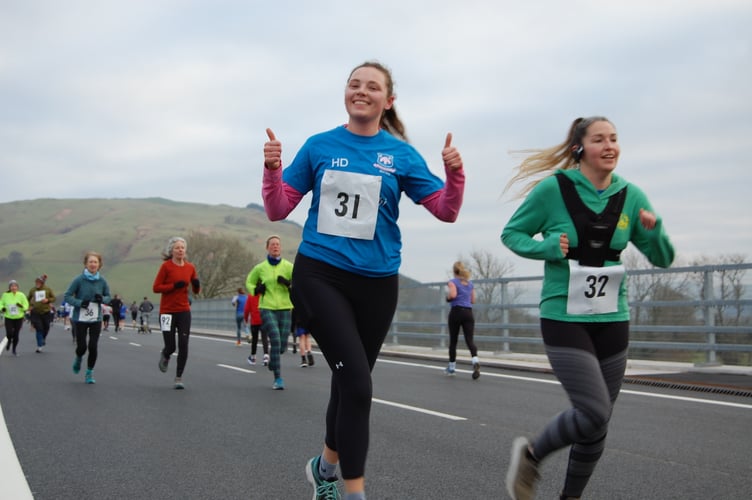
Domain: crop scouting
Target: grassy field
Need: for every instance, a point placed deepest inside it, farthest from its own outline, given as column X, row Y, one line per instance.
column 52, row 236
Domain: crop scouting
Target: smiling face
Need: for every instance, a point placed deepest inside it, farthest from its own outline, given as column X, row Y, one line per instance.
column 367, row 95
column 601, row 149
column 92, row 264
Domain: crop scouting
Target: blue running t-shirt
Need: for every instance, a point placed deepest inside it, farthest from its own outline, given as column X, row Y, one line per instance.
column 356, row 183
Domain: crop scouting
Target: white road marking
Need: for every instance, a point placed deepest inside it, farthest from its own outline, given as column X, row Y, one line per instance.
column 419, row 410
column 244, row 370
column 544, row 381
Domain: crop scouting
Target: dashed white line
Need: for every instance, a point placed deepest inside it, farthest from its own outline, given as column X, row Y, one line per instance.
column 244, row 370
column 417, row 409
column 544, row 381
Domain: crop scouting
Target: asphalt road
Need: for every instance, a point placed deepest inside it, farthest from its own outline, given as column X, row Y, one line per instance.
column 229, row 436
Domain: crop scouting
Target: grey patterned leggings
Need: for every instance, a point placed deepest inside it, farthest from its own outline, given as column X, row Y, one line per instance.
column 589, row 360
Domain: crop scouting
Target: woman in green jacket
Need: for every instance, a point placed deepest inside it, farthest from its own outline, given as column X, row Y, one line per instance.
column 578, row 221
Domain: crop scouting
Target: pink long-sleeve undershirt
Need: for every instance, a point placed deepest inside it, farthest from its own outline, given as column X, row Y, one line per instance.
column 280, row 198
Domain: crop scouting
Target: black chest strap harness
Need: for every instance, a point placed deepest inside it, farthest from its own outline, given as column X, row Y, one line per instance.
column 594, row 231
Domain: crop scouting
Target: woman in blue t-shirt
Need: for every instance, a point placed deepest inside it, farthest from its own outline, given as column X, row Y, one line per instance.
column 345, row 279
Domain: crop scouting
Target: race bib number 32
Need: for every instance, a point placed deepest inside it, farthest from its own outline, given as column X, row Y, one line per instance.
column 593, row 290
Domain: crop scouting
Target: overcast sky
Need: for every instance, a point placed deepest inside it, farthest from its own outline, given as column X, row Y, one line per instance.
column 134, row 99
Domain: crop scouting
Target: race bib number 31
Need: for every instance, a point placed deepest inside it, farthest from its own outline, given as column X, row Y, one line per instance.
column 593, row 290
column 349, row 204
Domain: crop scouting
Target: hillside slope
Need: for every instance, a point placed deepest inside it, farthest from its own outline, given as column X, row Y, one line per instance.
column 50, row 236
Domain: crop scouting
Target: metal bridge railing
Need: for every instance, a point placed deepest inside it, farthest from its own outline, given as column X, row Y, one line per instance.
column 699, row 314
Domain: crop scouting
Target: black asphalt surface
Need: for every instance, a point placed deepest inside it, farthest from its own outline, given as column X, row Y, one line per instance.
column 228, row 435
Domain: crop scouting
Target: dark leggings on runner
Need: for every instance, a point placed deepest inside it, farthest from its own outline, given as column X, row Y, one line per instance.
column 181, row 324
column 41, row 323
column 589, row 360
column 92, row 330
column 461, row 317
column 12, row 329
column 255, row 329
column 349, row 315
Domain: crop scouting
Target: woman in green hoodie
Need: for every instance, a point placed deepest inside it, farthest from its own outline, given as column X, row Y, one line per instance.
column 578, row 221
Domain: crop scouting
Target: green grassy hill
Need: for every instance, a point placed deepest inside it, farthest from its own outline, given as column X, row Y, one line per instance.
column 52, row 236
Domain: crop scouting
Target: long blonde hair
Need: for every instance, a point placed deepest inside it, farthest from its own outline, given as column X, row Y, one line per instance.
column 544, row 161
column 461, row 271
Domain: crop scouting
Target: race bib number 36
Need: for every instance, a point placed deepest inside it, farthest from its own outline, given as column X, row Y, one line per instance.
column 349, row 204
column 89, row 314
column 593, row 290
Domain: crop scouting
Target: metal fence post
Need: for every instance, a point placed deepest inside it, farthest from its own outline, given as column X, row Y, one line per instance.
column 709, row 314
column 444, row 318
column 504, row 315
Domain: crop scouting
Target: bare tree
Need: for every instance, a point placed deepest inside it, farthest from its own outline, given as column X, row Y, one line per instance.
column 650, row 286
column 486, row 268
column 728, row 286
column 222, row 263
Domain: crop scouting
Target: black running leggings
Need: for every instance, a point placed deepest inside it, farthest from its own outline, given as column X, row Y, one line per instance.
column 589, row 360
column 92, row 330
column 461, row 317
column 181, row 324
column 255, row 330
column 349, row 315
column 12, row 329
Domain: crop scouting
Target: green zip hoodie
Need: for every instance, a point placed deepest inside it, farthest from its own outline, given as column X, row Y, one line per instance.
column 543, row 213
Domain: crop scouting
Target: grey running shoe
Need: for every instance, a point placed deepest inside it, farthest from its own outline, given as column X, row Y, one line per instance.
column 476, row 371
column 179, row 383
column 323, row 489
column 163, row 363
column 523, row 471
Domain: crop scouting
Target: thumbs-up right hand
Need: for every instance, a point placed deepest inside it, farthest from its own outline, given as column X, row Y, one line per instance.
column 272, row 151
column 450, row 155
